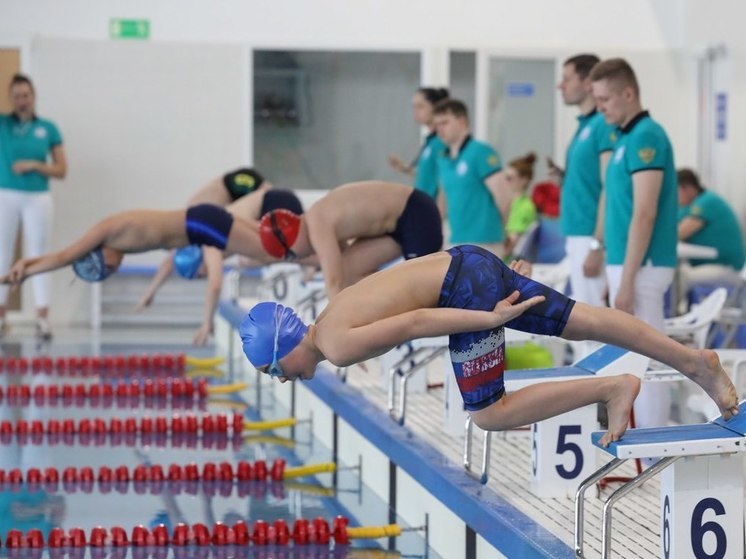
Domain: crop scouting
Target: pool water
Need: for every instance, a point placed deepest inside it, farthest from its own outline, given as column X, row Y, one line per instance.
column 161, row 467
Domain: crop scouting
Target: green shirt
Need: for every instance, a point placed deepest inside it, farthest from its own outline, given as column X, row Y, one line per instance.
column 472, row 213
column 426, row 177
column 34, row 140
column 720, row 230
column 642, row 145
column 522, row 215
column 581, row 186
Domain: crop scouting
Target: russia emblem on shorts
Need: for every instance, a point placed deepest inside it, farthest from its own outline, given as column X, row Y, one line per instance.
column 479, row 364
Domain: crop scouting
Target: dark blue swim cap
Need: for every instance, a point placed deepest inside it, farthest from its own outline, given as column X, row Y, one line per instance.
column 92, row 267
column 258, row 332
column 187, row 261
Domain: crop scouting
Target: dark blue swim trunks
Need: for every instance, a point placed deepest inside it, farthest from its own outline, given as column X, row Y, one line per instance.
column 209, row 225
column 419, row 229
column 277, row 199
column 477, row 279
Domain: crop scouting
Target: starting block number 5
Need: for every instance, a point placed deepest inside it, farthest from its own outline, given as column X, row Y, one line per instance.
column 561, row 452
column 702, row 508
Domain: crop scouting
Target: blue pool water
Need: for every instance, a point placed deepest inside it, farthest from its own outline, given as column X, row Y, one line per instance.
column 89, row 503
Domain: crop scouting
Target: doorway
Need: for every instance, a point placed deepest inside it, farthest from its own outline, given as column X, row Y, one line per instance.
column 521, row 103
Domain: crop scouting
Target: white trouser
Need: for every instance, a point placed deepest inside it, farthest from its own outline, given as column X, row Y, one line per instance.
column 34, row 210
column 584, row 289
column 653, row 405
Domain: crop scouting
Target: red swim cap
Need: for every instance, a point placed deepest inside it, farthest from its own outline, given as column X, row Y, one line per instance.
column 278, row 230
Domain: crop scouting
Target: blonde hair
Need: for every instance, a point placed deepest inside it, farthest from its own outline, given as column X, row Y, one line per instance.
column 616, row 70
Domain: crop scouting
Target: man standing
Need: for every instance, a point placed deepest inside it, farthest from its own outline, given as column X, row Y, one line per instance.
column 469, row 172
column 581, row 214
column 640, row 214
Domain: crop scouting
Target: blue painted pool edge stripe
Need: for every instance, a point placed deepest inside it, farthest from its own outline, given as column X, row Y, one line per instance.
column 505, row 527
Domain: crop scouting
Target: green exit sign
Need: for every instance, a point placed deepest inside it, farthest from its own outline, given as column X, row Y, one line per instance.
column 129, row 28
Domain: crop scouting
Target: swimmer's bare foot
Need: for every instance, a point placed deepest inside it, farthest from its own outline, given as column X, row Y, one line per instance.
column 619, row 406
column 709, row 374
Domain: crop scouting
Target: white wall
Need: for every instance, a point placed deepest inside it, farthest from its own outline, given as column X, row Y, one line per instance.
column 144, row 125
column 709, row 24
column 643, row 24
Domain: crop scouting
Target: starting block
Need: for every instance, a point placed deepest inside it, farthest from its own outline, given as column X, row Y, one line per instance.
column 701, row 493
column 561, row 450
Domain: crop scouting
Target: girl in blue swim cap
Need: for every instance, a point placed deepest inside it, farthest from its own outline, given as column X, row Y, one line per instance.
column 470, row 294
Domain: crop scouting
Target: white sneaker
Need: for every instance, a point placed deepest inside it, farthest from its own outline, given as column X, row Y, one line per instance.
column 43, row 330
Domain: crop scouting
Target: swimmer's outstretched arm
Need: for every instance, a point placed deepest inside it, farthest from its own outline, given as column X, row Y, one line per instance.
column 214, row 266
column 160, row 277
column 358, row 344
column 27, row 267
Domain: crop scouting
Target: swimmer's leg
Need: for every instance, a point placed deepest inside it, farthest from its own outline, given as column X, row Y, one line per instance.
column 549, row 399
column 615, row 327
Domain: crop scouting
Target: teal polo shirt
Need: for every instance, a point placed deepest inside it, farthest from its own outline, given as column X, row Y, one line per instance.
column 642, row 145
column 25, row 140
column 472, row 213
column 581, row 186
column 720, row 230
column 426, row 177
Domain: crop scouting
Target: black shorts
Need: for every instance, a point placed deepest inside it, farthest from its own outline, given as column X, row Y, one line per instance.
column 241, row 182
column 281, row 200
column 419, row 230
column 207, row 224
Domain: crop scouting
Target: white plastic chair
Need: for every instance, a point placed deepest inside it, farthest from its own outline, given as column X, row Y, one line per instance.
column 695, row 324
column 733, row 314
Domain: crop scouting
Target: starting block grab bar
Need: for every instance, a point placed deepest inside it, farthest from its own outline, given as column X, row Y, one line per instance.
column 399, row 369
column 701, row 496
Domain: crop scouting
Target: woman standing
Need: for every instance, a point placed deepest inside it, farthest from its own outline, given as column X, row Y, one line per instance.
column 424, row 167
column 30, row 152
column 518, row 176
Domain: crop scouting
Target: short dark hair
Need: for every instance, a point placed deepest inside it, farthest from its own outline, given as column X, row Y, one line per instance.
column 616, row 70
column 433, row 94
column 688, row 177
column 18, row 79
column 453, row 106
column 583, row 64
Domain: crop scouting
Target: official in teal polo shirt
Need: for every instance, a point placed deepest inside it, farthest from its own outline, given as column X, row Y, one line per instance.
column 706, row 219
column 424, row 167
column 426, row 173
column 30, row 152
column 642, row 145
column 581, row 185
column 581, row 222
column 640, row 215
column 468, row 171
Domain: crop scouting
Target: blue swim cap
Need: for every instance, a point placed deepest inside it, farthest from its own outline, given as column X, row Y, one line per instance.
column 258, row 332
column 187, row 261
column 92, row 267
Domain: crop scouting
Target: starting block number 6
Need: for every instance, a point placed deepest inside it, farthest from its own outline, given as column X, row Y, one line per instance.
column 702, row 508
column 560, row 451
column 717, row 541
